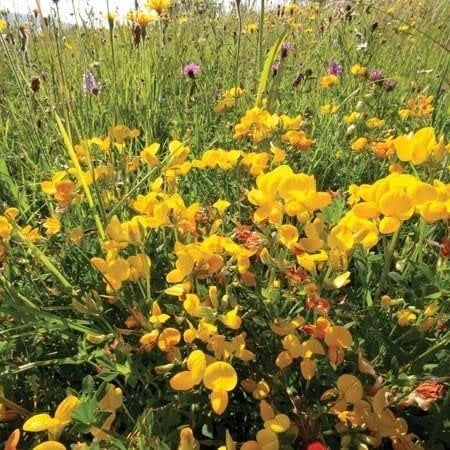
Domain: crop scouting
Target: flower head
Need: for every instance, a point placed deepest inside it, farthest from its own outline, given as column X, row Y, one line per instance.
column 191, row 69
column 90, row 85
column 275, row 68
column 376, row 75
column 285, row 48
column 298, row 79
column 389, row 85
column 334, row 68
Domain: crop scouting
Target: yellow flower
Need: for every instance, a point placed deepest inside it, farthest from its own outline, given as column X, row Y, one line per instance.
column 5, row 227
column 358, row 70
column 329, row 81
column 187, row 440
column 52, row 225
column 375, row 122
column 405, row 317
column 416, row 148
column 351, row 118
column 54, row 425
column 159, row 5
column 149, row 154
column 143, row 18
column 110, row 402
column 297, row 139
column 328, row 109
column 221, row 206
column 220, row 377
column 119, row 133
column 360, row 144
column 3, row 25
column 228, row 99
column 157, row 317
column 114, row 269
column 257, row 124
column 251, row 27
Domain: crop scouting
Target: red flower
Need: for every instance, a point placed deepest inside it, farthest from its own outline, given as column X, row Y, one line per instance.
column 316, row 445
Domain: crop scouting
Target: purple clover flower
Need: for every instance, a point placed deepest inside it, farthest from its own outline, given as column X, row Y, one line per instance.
column 285, row 49
column 389, row 85
column 298, row 79
column 376, row 75
column 90, row 85
column 191, row 69
column 275, row 68
column 335, row 68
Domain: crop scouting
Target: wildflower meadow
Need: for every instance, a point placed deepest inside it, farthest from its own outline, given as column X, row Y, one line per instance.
column 225, row 226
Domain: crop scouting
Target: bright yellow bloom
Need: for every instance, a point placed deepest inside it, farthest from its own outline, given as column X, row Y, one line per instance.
column 375, row 122
column 328, row 81
column 405, row 317
column 159, row 5
column 416, row 148
column 114, row 269
column 228, row 99
column 360, row 144
column 257, row 124
column 251, row 27
column 187, row 440
column 358, row 70
column 54, row 425
column 351, row 118
column 52, row 225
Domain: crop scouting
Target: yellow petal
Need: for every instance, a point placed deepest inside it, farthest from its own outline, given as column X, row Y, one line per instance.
column 262, row 390
column 182, row 381
column 308, row 369
column 40, row 422
column 338, row 336
column 232, row 320
column 250, row 445
column 220, row 376
column 267, row 439
column 389, row 225
column 350, row 387
column 284, row 359
column 266, row 411
column 196, row 363
column 279, row 424
column 66, row 407
column 288, row 235
column 219, row 401
column 50, row 445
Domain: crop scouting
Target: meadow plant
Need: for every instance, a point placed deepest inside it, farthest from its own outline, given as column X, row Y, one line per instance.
column 251, row 253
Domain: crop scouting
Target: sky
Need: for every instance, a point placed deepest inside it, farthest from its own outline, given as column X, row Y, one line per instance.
column 66, row 6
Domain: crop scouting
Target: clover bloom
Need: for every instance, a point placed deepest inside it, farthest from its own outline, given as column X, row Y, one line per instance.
column 335, row 68
column 89, row 84
column 285, row 49
column 298, row 79
column 376, row 75
column 389, row 85
column 275, row 68
column 191, row 70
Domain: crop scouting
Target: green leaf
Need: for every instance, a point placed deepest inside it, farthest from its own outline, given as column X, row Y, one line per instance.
column 86, row 412
column 265, row 75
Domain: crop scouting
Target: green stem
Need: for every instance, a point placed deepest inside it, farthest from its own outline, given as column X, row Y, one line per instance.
column 43, row 258
column 260, row 37
column 424, row 356
column 81, row 179
column 388, row 254
column 238, row 47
